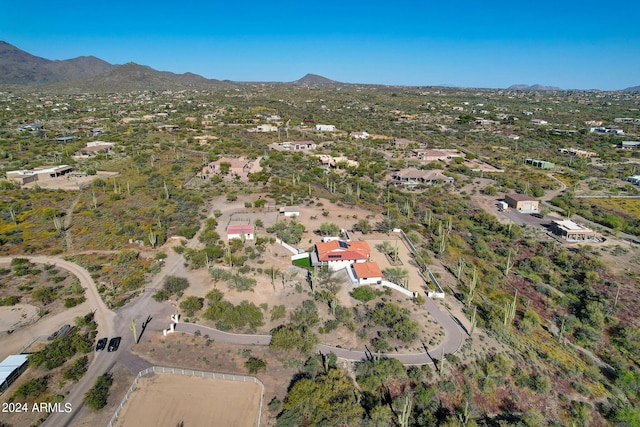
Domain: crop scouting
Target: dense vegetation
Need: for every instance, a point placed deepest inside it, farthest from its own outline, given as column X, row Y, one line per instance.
column 540, row 303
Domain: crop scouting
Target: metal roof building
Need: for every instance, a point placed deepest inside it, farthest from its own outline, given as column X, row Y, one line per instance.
column 11, row 368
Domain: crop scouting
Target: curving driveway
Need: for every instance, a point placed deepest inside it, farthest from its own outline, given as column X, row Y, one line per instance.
column 453, row 340
column 118, row 323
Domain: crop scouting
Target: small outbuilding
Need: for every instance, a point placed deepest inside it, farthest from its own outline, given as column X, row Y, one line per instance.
column 522, row 203
column 246, row 232
column 367, row 273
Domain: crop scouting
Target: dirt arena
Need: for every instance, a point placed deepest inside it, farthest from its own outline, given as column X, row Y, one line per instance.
column 167, row 399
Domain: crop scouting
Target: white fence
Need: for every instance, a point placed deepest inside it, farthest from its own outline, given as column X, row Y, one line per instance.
column 189, row 373
column 287, row 247
column 440, row 292
column 300, row 256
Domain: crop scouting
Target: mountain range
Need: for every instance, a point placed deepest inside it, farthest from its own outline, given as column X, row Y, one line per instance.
column 88, row 73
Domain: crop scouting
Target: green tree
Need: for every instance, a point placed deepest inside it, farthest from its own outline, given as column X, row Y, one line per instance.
column 329, row 229
column 363, row 226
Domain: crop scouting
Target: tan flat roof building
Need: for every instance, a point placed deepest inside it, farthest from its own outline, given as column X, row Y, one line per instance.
column 522, row 203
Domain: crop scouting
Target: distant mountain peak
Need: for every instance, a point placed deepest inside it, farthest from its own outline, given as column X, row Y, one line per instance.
column 532, row 87
column 314, row 80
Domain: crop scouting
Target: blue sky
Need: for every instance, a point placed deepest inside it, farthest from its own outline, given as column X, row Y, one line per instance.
column 570, row 44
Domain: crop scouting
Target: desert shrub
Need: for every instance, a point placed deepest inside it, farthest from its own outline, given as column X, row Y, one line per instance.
column 31, row 389
column 10, row 300
column 364, row 293
column 96, row 397
column 255, row 365
column 72, row 302
column 77, row 369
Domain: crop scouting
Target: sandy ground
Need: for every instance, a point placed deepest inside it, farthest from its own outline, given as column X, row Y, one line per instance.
column 17, row 316
column 69, row 182
column 168, row 399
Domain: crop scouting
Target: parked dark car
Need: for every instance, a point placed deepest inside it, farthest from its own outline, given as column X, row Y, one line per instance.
column 114, row 344
column 102, row 343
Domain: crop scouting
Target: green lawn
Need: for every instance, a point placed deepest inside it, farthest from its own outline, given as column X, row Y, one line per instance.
column 303, row 262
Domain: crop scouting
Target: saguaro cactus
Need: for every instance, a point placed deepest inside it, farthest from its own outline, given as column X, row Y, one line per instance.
column 133, row 328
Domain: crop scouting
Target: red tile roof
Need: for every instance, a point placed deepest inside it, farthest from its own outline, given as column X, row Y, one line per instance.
column 367, row 270
column 240, row 229
column 337, row 250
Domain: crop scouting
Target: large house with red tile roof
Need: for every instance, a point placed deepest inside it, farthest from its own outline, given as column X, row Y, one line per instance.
column 338, row 254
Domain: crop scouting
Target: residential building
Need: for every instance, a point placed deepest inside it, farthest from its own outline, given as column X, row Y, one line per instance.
column 634, row 179
column 359, row 135
column 38, row 174
column 367, row 273
column 573, row 232
column 607, row 129
column 296, row 146
column 336, row 161
column 626, row 120
column 325, row 128
column 97, row 147
column 266, row 128
column 411, row 177
column 246, row 232
column 522, row 203
column 431, row 155
column 577, row 153
column 629, row 145
column 402, row 142
column 338, row 254
column 167, row 128
column 229, row 166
